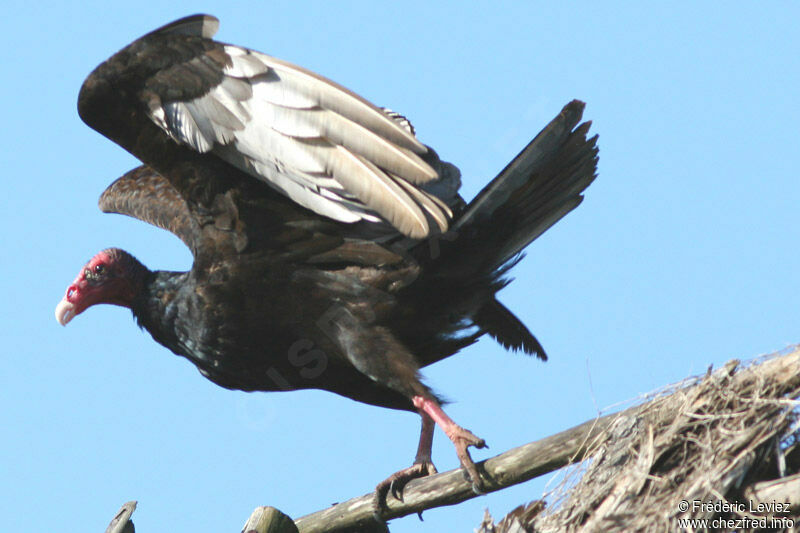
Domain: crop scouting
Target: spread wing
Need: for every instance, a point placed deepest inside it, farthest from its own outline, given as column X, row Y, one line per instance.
column 318, row 143
column 144, row 194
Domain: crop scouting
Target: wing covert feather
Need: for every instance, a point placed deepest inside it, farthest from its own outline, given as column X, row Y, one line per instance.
column 144, row 194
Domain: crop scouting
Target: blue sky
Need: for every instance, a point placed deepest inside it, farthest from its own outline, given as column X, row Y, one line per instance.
column 684, row 253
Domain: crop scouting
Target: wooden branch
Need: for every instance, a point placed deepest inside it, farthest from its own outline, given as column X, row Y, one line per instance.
column 507, row 469
column 540, row 457
column 510, row 468
column 269, row 520
column 121, row 523
column 448, row 488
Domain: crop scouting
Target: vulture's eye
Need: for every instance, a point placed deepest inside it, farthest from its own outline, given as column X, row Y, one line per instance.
column 99, row 269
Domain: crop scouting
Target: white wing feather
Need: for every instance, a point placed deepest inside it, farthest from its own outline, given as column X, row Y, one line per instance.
column 321, row 145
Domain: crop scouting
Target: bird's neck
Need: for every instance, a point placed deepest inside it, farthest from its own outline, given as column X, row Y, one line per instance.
column 157, row 305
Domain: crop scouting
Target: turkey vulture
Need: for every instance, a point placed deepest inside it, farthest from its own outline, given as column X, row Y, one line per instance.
column 331, row 248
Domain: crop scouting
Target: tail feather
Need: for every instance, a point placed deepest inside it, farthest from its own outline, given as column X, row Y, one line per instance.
column 542, row 202
column 495, row 319
column 466, row 267
column 539, row 187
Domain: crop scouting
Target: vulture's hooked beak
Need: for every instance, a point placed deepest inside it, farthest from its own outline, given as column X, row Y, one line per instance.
column 65, row 311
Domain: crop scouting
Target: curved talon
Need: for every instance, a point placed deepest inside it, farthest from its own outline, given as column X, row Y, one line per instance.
column 396, row 490
column 395, row 483
column 477, row 488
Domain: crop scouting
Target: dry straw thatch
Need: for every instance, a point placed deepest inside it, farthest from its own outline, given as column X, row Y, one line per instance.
column 726, row 443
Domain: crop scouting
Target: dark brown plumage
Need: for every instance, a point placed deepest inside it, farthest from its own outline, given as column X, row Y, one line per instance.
column 331, row 249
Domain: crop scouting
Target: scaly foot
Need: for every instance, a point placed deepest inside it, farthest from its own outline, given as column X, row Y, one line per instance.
column 461, row 438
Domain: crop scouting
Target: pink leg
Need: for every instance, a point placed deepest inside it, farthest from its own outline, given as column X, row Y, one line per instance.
column 460, row 437
column 425, row 441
